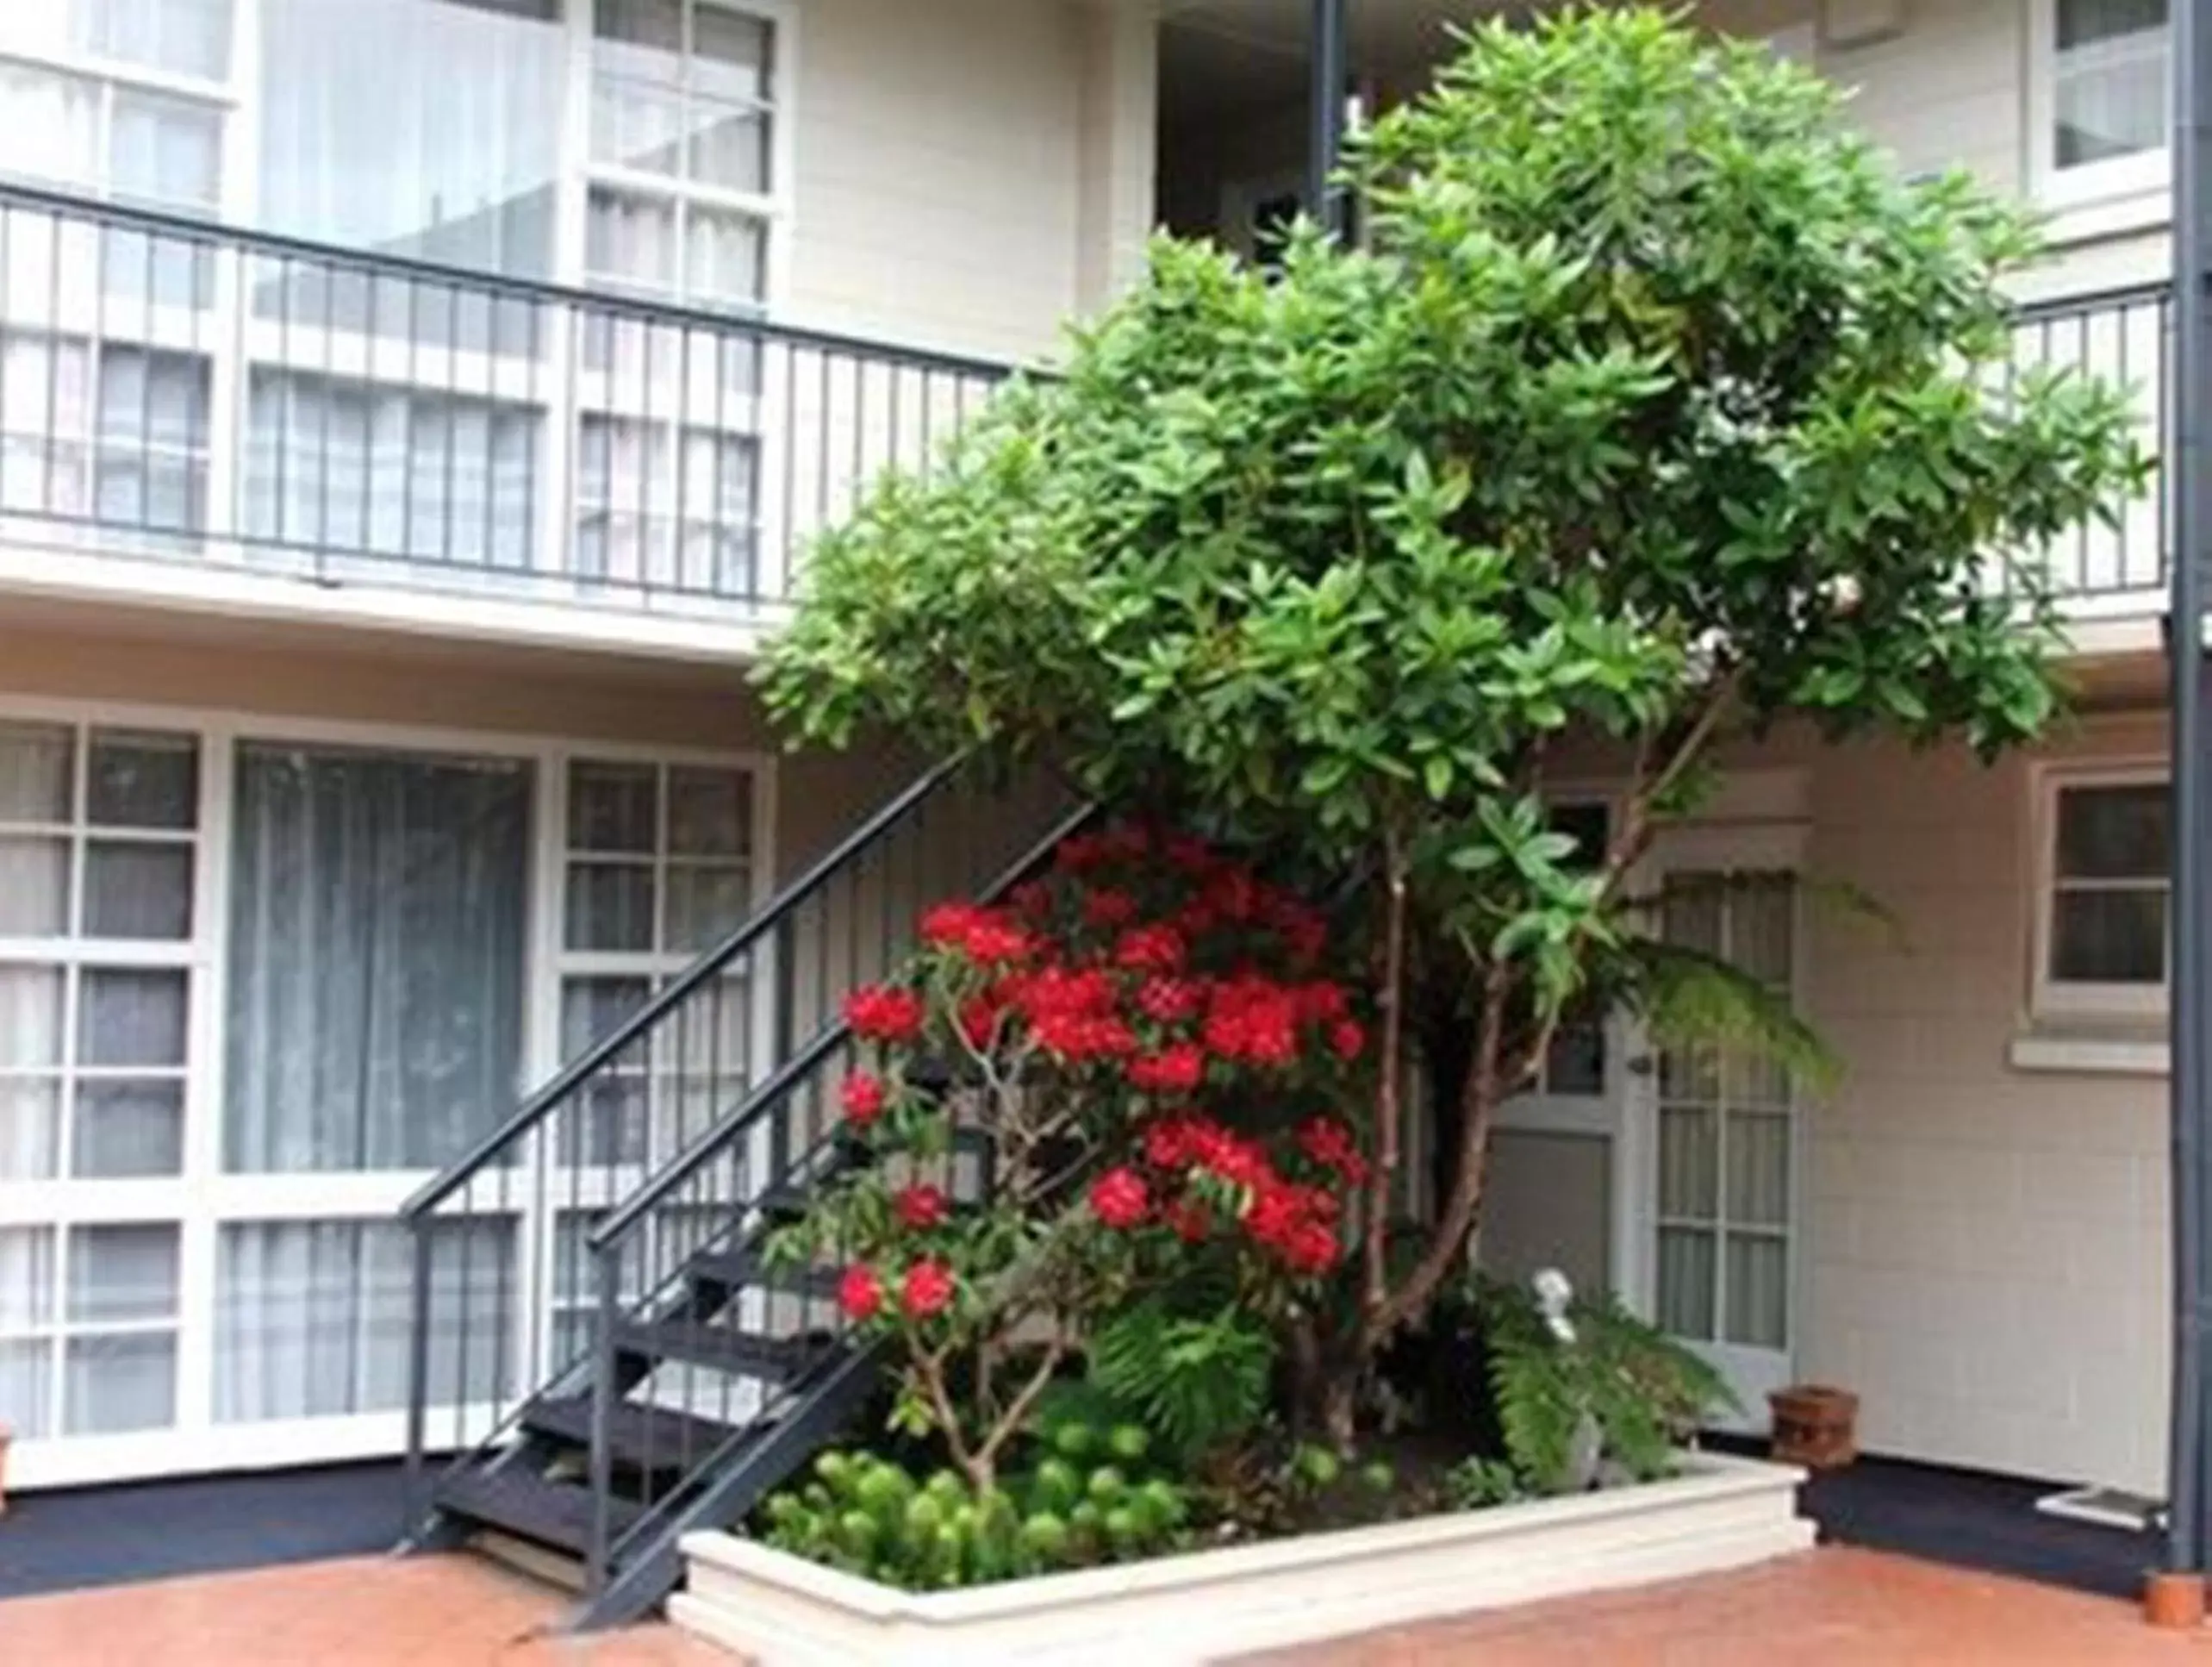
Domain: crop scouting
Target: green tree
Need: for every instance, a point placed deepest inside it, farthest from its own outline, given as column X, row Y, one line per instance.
column 1655, row 408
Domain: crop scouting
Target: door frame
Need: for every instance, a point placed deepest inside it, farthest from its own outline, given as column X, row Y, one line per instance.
column 1768, row 843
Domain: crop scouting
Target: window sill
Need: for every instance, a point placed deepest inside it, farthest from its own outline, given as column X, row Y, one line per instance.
column 2078, row 1054
column 2073, row 221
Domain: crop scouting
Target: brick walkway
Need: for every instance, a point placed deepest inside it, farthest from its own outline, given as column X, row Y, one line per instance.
column 1829, row 1608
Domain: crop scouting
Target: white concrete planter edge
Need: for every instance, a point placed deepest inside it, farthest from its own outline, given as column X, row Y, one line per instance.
column 782, row 1611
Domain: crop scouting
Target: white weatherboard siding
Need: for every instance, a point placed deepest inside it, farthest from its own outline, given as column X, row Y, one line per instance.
column 947, row 162
column 1985, row 1245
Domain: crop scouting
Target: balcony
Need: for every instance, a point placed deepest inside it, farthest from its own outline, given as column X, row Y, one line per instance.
column 207, row 417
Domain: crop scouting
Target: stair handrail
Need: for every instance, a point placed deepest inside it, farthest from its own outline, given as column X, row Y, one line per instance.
column 771, row 914
column 713, row 1140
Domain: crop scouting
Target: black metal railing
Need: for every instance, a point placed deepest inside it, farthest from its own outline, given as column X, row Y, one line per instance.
column 724, row 1192
column 178, row 390
column 504, row 1298
column 2125, row 336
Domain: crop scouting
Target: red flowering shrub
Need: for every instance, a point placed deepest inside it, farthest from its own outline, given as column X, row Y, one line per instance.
column 1150, row 1007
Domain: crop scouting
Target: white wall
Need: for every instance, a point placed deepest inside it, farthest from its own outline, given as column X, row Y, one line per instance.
column 1984, row 1246
column 943, row 158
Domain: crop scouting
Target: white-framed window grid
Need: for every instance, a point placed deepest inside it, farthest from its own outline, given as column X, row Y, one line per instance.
column 2135, row 886
column 165, row 1237
column 2132, row 62
column 722, row 91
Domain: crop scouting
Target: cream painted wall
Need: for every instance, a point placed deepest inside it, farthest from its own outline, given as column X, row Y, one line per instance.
column 1983, row 1250
column 967, row 173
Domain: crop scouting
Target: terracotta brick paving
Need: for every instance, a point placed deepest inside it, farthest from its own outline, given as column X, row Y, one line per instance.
column 1832, row 1607
column 1828, row 1608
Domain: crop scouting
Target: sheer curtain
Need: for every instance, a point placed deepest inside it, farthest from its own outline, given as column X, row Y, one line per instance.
column 375, row 956
column 2111, row 78
column 426, row 127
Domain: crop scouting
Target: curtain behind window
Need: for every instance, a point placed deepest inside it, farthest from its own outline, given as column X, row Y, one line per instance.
column 377, row 920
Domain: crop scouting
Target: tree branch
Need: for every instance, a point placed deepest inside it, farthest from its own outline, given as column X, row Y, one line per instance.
column 1388, row 1112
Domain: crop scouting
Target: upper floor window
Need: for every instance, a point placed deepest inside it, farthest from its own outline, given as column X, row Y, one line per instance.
column 682, row 149
column 2102, row 907
column 2109, row 103
column 121, row 96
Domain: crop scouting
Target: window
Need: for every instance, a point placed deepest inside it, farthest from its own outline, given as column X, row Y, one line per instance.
column 2102, row 943
column 136, row 455
column 682, row 152
column 659, row 867
column 97, row 837
column 2109, row 105
column 656, row 519
column 121, row 95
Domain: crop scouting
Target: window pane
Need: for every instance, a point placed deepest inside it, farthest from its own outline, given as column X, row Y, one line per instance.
column 729, row 148
column 165, row 150
column 1758, row 1292
column 52, row 122
column 647, row 33
column 2112, row 79
column 1758, row 1168
column 1689, row 1163
column 2109, row 937
column 610, row 907
column 2113, row 832
column 131, row 1017
column 709, row 812
column 26, row 1387
column 1686, row 1282
column 143, row 781
column 611, row 808
column 636, row 124
column 726, row 255
column 30, row 1128
column 731, row 53
column 125, row 1382
column 30, row 1015
column 629, row 237
column 121, row 1274
column 706, row 904
column 592, row 1008
column 36, row 762
column 133, row 891
column 34, row 886
column 25, row 1278
column 128, row 1128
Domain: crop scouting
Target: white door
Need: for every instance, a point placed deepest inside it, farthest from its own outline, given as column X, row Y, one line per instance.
column 1723, row 1200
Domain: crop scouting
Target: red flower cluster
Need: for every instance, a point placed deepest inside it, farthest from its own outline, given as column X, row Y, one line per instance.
column 1073, row 1013
column 884, row 1013
column 860, row 1293
column 1158, row 948
column 1175, row 1070
column 1295, row 1223
column 927, row 1290
column 989, row 937
column 863, row 1097
column 920, row 1207
column 1334, row 1147
column 1254, row 1020
column 1119, row 1198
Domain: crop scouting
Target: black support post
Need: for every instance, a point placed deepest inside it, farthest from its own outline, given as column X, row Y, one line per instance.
column 1325, row 132
column 2190, row 481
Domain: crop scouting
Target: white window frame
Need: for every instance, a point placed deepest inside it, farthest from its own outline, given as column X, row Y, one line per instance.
column 108, row 75
column 2051, row 998
column 205, row 1196
column 2142, row 174
column 772, row 207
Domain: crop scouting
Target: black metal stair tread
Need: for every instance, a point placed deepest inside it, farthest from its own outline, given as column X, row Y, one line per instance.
column 745, row 1268
column 724, row 1348
column 556, row 1514
column 639, row 1433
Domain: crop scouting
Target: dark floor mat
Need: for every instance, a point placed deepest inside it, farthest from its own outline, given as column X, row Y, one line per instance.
column 1978, row 1521
column 54, row 1542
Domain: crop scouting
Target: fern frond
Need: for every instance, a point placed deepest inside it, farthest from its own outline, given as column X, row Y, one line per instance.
column 1689, row 998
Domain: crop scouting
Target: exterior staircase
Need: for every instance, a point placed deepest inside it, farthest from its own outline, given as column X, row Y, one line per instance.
column 670, row 1375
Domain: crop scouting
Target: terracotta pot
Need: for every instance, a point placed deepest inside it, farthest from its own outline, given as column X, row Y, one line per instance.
column 2173, row 1600
column 1815, row 1426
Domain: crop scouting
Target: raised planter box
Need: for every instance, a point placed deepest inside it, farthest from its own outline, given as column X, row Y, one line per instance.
column 782, row 1611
